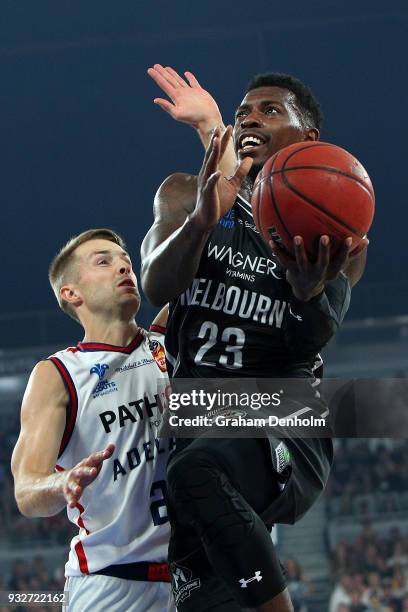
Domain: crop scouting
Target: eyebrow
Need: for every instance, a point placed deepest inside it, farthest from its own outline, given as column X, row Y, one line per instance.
column 108, row 252
column 263, row 103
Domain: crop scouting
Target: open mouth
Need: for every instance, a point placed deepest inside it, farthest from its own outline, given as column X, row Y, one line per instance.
column 127, row 283
column 250, row 142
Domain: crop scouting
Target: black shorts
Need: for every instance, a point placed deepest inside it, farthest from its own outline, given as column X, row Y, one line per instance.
column 279, row 486
column 310, row 462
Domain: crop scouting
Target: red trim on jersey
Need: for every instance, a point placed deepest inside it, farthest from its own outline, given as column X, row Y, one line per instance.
column 83, row 562
column 78, row 506
column 100, row 346
column 157, row 328
column 80, row 520
column 72, row 407
column 79, row 547
column 158, row 572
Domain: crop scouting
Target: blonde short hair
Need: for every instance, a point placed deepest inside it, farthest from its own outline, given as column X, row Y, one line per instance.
column 61, row 270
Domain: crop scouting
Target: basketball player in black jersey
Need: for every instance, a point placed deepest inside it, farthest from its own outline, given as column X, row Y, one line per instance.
column 239, row 309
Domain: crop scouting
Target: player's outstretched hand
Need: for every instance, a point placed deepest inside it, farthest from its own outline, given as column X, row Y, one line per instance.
column 190, row 103
column 215, row 193
column 307, row 278
column 82, row 474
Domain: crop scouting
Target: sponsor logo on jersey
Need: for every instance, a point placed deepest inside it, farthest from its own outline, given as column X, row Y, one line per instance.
column 142, row 409
column 282, row 457
column 104, row 386
column 99, row 369
column 254, row 264
column 228, row 220
column 136, row 364
column 250, row 226
column 182, row 582
column 158, row 354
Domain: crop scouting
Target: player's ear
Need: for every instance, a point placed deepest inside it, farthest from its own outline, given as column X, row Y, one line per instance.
column 69, row 293
column 312, row 134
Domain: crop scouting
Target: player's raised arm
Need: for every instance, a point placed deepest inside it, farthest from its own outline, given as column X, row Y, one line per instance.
column 192, row 104
column 160, row 320
column 186, row 209
column 355, row 267
column 39, row 490
column 320, row 291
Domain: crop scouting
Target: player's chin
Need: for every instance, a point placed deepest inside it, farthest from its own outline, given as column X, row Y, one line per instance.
column 131, row 303
column 258, row 157
column 131, row 296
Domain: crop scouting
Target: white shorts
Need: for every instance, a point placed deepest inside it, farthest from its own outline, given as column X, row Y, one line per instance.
column 97, row 593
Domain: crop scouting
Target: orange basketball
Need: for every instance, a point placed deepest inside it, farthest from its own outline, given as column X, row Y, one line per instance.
column 311, row 189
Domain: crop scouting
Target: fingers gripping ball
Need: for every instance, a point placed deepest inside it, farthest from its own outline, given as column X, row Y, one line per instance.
column 312, row 189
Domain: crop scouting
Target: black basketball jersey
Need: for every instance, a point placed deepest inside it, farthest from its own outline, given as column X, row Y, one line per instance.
column 231, row 320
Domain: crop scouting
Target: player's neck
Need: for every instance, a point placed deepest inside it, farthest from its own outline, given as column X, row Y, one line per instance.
column 246, row 188
column 117, row 333
column 249, row 181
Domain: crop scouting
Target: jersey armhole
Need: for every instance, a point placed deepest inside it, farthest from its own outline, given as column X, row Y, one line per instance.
column 72, row 406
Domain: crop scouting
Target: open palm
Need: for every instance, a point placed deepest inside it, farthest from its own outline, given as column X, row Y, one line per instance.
column 190, row 103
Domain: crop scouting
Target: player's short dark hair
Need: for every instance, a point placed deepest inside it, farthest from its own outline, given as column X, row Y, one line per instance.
column 307, row 103
column 62, row 268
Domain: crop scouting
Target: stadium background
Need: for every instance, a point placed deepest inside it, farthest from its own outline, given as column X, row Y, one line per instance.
column 83, row 146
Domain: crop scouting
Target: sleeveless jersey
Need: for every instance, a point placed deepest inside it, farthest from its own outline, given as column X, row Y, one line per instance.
column 231, row 320
column 113, row 391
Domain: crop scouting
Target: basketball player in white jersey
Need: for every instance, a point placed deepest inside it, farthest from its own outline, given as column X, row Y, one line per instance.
column 88, row 439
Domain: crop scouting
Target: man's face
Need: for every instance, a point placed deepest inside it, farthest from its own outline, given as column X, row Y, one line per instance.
column 267, row 120
column 105, row 279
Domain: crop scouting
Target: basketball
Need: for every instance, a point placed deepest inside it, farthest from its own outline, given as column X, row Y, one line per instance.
column 311, row 189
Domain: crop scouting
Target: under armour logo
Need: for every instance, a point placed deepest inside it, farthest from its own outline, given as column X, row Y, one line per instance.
column 257, row 577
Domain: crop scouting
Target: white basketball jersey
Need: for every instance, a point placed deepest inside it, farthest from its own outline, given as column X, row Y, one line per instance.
column 113, row 391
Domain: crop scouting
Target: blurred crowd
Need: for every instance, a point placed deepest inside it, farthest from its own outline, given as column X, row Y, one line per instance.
column 27, row 577
column 371, row 573
column 14, row 528
column 299, row 585
column 18, row 532
column 369, row 482
column 368, row 477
